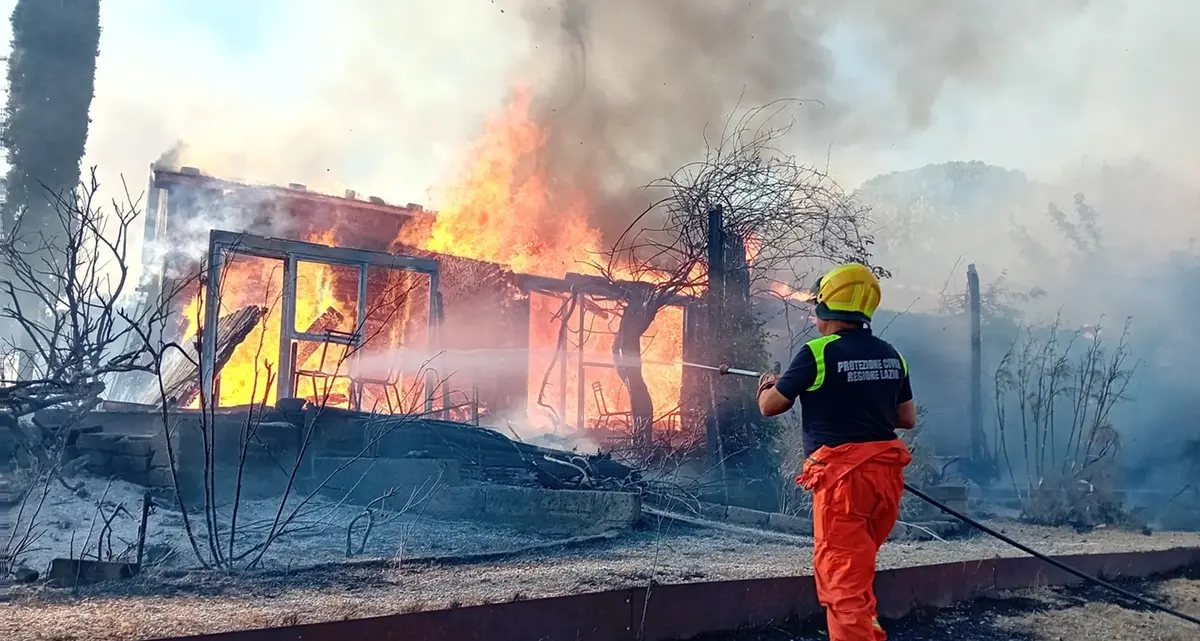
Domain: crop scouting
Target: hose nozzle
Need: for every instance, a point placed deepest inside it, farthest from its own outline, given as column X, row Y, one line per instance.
column 727, row 370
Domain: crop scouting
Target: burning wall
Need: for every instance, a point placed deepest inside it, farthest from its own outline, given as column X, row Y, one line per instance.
column 330, row 328
column 572, row 377
column 498, row 336
column 186, row 206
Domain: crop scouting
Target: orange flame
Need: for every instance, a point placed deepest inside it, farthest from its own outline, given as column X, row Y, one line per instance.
column 499, row 209
column 249, row 376
column 783, row 290
column 503, row 208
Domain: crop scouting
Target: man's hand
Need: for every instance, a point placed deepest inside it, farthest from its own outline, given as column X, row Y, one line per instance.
column 770, row 401
column 767, row 381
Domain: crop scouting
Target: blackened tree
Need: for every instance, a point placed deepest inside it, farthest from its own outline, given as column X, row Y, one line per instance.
column 773, row 217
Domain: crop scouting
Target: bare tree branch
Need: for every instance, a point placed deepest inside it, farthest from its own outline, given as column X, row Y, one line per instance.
column 786, row 218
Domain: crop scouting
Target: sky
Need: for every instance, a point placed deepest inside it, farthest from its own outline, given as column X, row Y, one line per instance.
column 240, row 72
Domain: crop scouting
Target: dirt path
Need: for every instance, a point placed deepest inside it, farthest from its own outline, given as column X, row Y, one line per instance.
column 193, row 603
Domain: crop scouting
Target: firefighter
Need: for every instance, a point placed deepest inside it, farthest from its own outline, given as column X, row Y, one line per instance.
column 854, row 392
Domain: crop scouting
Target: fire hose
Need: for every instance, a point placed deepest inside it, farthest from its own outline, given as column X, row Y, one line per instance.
column 1136, row 598
column 733, row 371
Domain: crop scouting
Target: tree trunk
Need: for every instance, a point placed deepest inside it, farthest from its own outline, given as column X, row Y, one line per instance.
column 627, row 356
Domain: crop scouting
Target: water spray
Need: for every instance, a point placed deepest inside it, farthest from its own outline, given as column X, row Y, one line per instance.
column 726, row 370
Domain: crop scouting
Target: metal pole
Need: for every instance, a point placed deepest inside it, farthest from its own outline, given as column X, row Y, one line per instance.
column 562, row 372
column 441, row 310
column 581, row 397
column 285, row 387
column 475, row 397
column 430, row 382
column 975, row 311
column 357, row 344
column 687, row 385
column 212, row 315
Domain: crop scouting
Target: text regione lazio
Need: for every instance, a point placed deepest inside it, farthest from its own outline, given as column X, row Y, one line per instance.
column 873, row 369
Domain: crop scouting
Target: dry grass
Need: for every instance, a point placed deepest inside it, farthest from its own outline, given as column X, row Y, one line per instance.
column 172, row 605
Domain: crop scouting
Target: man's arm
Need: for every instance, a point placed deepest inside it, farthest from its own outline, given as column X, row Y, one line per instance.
column 906, row 409
column 907, row 418
column 777, row 394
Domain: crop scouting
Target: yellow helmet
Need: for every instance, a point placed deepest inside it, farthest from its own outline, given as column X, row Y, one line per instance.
column 847, row 293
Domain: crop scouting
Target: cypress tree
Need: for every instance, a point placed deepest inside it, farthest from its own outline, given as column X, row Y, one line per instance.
column 51, row 80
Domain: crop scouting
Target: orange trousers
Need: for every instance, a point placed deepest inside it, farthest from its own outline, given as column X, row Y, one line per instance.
column 856, row 501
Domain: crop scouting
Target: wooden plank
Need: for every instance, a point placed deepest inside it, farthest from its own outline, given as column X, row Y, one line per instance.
column 181, row 375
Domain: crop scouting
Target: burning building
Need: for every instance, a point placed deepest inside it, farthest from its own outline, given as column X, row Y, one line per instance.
column 331, row 300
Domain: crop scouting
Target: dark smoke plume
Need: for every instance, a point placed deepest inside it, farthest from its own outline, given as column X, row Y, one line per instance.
column 635, row 84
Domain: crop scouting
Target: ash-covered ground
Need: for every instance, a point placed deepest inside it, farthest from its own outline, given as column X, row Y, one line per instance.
column 69, row 524
column 171, row 601
column 1059, row 614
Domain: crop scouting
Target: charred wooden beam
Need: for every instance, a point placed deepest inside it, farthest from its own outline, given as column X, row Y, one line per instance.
column 181, row 376
column 595, row 286
column 165, row 179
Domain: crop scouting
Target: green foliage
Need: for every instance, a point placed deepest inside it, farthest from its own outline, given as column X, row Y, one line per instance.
column 51, row 80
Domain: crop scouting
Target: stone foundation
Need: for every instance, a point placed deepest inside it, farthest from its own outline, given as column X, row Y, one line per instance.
column 128, row 457
column 342, row 462
column 435, row 488
column 557, row 512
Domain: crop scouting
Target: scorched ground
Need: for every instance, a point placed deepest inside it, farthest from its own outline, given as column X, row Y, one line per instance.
column 172, row 604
